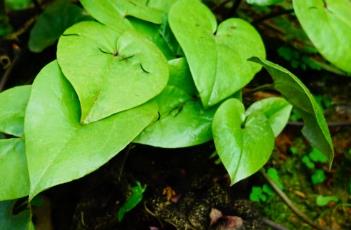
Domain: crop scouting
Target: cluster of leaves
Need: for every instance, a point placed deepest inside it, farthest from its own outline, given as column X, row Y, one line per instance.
column 158, row 72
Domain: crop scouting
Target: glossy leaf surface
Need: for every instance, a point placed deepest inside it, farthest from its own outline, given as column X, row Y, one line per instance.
column 276, row 109
column 243, row 143
column 216, row 56
column 110, row 72
column 13, row 169
column 55, row 19
column 59, row 149
column 183, row 121
column 328, row 25
column 13, row 104
column 114, row 13
column 315, row 126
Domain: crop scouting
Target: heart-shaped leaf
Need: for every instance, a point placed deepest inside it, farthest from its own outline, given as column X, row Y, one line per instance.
column 14, row 181
column 183, row 121
column 315, row 129
column 13, row 103
column 10, row 221
column 276, row 109
column 218, row 63
column 59, row 148
column 328, row 25
column 52, row 23
column 110, row 72
column 243, row 143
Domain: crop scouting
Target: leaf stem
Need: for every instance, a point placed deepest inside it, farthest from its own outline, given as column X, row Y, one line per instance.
column 272, row 15
column 290, row 204
column 7, row 74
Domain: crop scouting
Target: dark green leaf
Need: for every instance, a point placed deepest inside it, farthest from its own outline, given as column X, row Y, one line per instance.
column 263, row 2
column 315, row 128
column 17, row 4
column 59, row 148
column 52, row 23
column 10, row 221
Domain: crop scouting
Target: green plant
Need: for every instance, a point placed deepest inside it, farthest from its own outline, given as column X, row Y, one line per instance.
column 120, row 79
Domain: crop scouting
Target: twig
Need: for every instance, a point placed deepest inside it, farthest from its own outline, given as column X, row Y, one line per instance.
column 22, row 30
column 9, row 69
column 273, row 224
column 330, row 124
column 130, row 147
column 290, row 204
column 272, row 15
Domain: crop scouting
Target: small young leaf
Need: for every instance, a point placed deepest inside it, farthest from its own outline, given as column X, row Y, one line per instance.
column 110, row 72
column 13, row 104
column 274, row 176
column 328, row 25
column 59, row 149
column 14, row 182
column 324, row 200
column 52, row 23
column 218, row 63
column 244, row 144
column 318, row 177
column 276, row 109
column 315, row 128
column 135, row 198
column 308, row 163
column 318, row 157
column 10, row 221
column 183, row 121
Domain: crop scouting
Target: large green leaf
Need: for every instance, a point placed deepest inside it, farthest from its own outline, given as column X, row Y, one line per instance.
column 315, row 129
column 114, row 13
column 14, row 181
column 218, row 63
column 10, row 221
column 52, row 23
column 328, row 25
column 13, row 103
column 59, row 148
column 183, row 121
column 110, row 72
column 243, row 143
column 276, row 109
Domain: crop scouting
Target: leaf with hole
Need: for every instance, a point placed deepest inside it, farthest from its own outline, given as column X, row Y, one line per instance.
column 55, row 19
column 243, row 143
column 110, row 72
column 276, row 109
column 315, row 126
column 183, row 121
column 217, row 56
column 328, row 25
column 59, row 148
column 13, row 104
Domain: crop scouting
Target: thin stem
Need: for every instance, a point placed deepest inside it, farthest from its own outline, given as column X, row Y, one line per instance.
column 273, row 224
column 330, row 124
column 290, row 204
column 9, row 69
column 272, row 15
